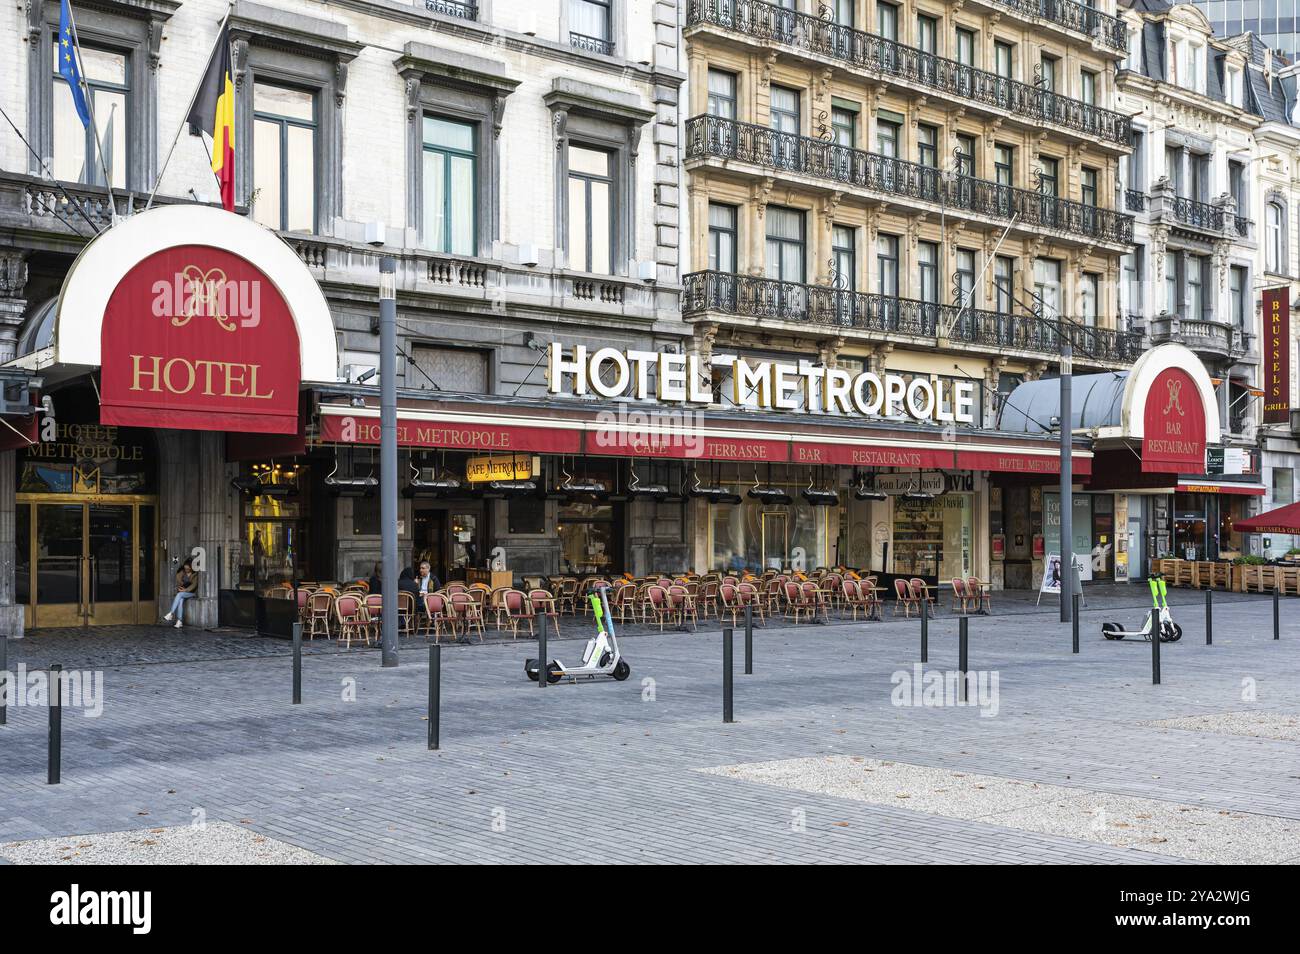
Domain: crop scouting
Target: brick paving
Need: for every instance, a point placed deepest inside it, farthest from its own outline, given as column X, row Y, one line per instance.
column 201, row 726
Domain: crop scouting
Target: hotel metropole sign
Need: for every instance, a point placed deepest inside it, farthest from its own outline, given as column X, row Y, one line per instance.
column 686, row 379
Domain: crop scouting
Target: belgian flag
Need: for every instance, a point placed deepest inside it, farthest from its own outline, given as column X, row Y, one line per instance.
column 213, row 112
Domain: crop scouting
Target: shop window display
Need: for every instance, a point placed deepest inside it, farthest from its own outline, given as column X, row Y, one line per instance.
column 933, row 537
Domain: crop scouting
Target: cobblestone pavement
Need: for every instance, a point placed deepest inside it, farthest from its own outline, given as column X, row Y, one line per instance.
column 613, row 771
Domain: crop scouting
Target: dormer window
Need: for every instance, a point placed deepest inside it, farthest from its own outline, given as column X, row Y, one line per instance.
column 1234, row 86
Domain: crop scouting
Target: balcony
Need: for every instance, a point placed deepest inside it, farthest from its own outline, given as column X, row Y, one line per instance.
column 1208, row 339
column 820, row 308
column 1029, row 104
column 1217, row 218
column 591, row 44
column 453, row 8
column 712, row 137
column 1079, row 18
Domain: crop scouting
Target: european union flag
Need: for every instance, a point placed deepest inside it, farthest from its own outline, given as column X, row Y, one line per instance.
column 69, row 68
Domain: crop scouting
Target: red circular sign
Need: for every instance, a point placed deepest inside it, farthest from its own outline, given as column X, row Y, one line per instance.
column 1173, row 425
column 197, row 338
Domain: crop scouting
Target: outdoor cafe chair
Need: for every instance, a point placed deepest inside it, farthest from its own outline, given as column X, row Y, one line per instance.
column 853, row 600
column 683, row 604
column 959, row 594
column 467, row 613
column 543, row 604
column 519, row 609
column 750, row 595
column 658, row 605
column 353, row 623
column 905, row 598
column 405, row 613
column 923, row 594
column 437, row 616
column 815, row 599
column 707, row 598
column 319, row 607
column 977, row 593
column 795, row 604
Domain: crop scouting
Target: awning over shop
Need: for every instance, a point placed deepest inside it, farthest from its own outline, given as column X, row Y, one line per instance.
column 1221, row 487
column 573, row 431
column 1282, row 520
column 1163, row 410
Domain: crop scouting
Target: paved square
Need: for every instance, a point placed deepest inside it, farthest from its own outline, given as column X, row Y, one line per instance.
column 618, row 772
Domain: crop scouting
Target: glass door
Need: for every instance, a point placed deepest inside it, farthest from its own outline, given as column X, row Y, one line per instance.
column 775, row 540
column 59, row 565
column 110, row 563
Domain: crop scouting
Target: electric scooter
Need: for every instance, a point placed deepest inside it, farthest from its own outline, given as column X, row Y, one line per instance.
column 601, row 657
column 1170, row 632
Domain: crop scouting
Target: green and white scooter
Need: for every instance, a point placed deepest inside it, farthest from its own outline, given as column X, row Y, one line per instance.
column 601, row 657
column 1170, row 632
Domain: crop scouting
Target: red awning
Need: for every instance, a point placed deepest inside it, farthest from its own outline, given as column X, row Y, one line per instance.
column 1282, row 520
column 1247, row 490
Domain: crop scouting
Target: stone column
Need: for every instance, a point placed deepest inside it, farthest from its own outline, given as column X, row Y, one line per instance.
column 13, row 283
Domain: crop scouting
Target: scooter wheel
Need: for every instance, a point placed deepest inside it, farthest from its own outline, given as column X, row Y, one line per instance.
column 530, row 669
column 1111, row 631
column 1172, row 634
column 622, row 670
column 553, row 674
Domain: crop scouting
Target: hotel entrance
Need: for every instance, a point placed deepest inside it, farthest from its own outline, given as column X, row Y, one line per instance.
column 87, row 562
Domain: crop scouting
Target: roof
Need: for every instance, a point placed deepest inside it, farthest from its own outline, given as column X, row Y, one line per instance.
column 1096, row 401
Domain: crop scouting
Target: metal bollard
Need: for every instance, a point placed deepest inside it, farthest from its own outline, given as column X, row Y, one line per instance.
column 9, row 686
column 297, row 664
column 54, row 769
column 749, row 639
column 541, row 651
column 1277, row 632
column 1209, row 617
column 1074, row 599
column 925, row 638
column 726, row 676
column 1155, row 648
column 435, row 694
column 962, row 646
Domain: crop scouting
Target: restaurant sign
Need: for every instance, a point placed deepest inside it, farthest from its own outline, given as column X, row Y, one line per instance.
column 687, row 379
column 480, row 470
column 1173, row 422
column 1277, row 355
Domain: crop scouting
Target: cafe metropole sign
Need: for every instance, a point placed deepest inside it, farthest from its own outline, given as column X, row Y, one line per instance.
column 680, row 379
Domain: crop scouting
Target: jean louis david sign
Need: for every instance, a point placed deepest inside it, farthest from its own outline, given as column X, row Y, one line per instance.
column 686, row 379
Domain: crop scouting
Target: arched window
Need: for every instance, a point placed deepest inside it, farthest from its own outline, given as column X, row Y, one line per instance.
column 1275, row 237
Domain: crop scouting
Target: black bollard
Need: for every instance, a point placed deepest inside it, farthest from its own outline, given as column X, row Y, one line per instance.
column 1074, row 599
column 962, row 646
column 542, row 669
column 55, row 767
column 1209, row 617
column 726, row 676
column 435, row 694
column 297, row 664
column 925, row 638
column 1277, row 632
column 1155, row 648
column 9, row 684
column 749, row 639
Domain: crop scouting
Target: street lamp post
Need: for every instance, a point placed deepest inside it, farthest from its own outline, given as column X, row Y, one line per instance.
column 388, row 455
column 1067, row 478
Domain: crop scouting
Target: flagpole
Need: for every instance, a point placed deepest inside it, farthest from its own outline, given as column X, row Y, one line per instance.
column 90, row 105
column 177, row 138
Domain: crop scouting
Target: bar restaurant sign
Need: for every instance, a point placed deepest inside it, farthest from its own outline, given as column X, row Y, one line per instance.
column 684, row 379
column 1277, row 355
column 479, row 470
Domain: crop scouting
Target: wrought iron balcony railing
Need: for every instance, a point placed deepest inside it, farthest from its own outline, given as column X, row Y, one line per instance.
column 716, row 137
column 746, row 296
column 592, row 44
column 1075, row 16
column 1135, row 200
column 882, row 57
column 1198, row 215
column 453, row 8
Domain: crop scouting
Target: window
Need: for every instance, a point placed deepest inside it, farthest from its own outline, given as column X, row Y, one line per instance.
column 785, row 243
column 1088, row 187
column 1234, row 85
column 887, row 265
column 927, row 145
column 1089, row 284
column 1047, row 73
column 722, row 94
column 450, row 173
column 927, row 33
column 591, row 210
column 785, row 109
column 722, row 238
column 927, row 260
column 1049, row 181
column 1131, row 267
column 1004, row 59
column 844, row 12
column 1274, row 232
column 886, row 20
column 965, row 154
column 887, row 133
column 590, row 28
column 1088, row 87
column 1171, row 283
column 1283, row 479
column 1237, row 186
column 1195, row 302
column 844, row 126
column 284, row 158
column 1174, row 168
column 1047, row 286
column 1237, row 294
column 1004, row 164
column 1137, row 162
column 1004, row 284
column 76, row 159
column 844, row 255
column 963, row 285
column 965, row 47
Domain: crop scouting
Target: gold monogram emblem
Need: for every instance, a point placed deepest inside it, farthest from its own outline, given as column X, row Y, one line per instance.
column 1174, row 403
column 206, row 298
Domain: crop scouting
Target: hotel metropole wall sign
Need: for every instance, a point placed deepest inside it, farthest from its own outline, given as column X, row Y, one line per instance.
column 685, row 379
column 1277, row 355
column 197, row 337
